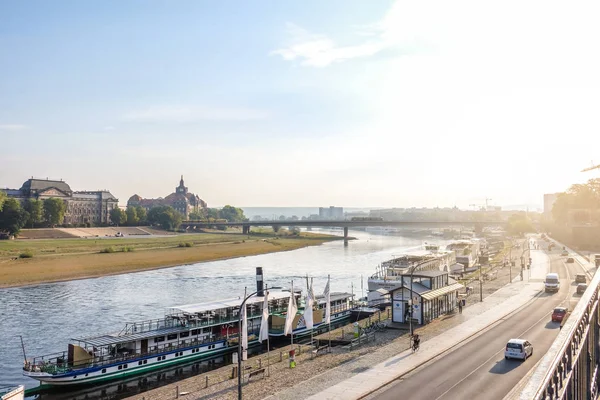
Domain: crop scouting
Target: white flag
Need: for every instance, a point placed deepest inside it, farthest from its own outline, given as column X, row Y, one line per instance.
column 291, row 314
column 327, row 303
column 264, row 323
column 244, row 333
column 308, row 310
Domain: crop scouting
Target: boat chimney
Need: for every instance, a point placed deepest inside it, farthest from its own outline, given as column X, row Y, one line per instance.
column 259, row 282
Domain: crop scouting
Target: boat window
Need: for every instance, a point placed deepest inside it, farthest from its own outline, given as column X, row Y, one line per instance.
column 104, row 371
column 195, row 331
column 120, row 367
column 124, row 366
column 184, row 334
column 139, row 363
column 159, row 339
column 172, row 336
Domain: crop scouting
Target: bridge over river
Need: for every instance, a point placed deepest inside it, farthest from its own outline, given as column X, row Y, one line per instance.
column 345, row 224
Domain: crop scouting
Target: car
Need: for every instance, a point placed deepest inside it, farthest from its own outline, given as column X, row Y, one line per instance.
column 570, row 260
column 580, row 278
column 581, row 288
column 559, row 314
column 518, row 348
column 564, row 253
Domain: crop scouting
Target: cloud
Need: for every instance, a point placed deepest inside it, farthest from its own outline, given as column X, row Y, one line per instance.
column 12, row 127
column 320, row 51
column 186, row 114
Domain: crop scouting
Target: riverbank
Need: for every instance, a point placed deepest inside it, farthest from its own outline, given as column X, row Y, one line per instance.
column 70, row 259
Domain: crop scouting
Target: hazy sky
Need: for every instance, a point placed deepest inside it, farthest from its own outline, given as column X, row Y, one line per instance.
column 316, row 103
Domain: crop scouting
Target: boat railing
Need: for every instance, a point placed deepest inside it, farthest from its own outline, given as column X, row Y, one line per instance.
column 57, row 363
column 334, row 310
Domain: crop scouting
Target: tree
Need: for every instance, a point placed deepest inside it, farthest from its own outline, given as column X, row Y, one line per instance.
column 54, row 211
column 519, row 224
column 132, row 217
column 118, row 216
column 196, row 216
column 35, row 208
column 581, row 202
column 165, row 216
column 2, row 198
column 232, row 214
column 142, row 215
column 12, row 217
column 212, row 213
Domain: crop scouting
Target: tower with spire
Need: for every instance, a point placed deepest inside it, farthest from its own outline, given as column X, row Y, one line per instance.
column 181, row 188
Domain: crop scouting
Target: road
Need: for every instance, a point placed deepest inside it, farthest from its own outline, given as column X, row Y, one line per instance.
column 478, row 369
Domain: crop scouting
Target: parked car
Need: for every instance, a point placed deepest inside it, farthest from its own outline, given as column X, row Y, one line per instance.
column 518, row 348
column 580, row 278
column 570, row 260
column 564, row 253
column 558, row 314
column 581, row 288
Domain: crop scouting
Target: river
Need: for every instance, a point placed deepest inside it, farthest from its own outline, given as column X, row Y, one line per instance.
column 48, row 315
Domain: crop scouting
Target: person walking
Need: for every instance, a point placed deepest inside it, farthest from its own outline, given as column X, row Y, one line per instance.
column 460, row 306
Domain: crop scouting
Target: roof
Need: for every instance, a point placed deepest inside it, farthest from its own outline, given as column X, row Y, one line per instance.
column 428, row 273
column 114, row 338
column 227, row 303
column 40, row 184
column 518, row 341
column 416, row 288
column 441, row 291
column 334, row 296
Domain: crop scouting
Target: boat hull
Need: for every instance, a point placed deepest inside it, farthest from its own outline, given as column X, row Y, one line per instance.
column 17, row 393
column 117, row 371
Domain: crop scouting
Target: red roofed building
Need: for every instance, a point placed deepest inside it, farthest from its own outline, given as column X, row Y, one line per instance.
column 181, row 200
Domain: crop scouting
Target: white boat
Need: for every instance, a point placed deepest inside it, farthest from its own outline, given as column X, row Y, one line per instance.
column 12, row 392
column 389, row 273
column 341, row 311
column 467, row 251
column 186, row 333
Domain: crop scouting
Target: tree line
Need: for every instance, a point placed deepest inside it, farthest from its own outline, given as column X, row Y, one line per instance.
column 15, row 216
column 579, row 204
column 34, row 213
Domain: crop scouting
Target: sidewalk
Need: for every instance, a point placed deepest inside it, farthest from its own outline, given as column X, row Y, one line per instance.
column 367, row 374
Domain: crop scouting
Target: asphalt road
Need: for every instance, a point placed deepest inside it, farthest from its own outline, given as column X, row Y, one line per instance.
column 478, row 369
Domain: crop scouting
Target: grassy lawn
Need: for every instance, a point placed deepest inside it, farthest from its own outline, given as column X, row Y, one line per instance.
column 66, row 259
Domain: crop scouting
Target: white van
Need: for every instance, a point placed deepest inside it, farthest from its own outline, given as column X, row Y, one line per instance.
column 552, row 282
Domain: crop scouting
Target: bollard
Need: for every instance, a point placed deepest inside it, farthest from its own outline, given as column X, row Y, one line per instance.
column 299, row 349
column 206, row 386
column 177, row 391
column 259, row 363
column 280, row 356
column 234, row 372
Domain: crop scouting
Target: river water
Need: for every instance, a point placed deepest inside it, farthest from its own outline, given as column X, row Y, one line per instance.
column 48, row 315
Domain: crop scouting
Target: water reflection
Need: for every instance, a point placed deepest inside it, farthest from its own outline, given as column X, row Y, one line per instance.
column 49, row 315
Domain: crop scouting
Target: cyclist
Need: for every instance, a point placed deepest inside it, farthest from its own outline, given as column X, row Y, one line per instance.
column 415, row 342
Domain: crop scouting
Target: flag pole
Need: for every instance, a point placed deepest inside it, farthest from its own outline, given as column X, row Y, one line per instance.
column 292, row 330
column 311, row 312
column 328, row 305
column 268, row 344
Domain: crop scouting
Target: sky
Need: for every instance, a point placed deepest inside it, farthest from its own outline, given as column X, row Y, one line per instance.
column 308, row 103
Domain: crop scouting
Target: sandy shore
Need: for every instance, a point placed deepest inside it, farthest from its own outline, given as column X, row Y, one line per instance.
column 88, row 263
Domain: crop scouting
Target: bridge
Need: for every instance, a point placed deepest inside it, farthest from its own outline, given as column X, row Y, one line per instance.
column 570, row 368
column 345, row 224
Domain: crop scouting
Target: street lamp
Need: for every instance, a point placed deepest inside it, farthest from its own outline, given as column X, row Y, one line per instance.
column 240, row 343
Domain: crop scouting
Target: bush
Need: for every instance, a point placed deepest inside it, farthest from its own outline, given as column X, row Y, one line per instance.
column 108, row 250
column 26, row 254
column 186, row 244
column 127, row 249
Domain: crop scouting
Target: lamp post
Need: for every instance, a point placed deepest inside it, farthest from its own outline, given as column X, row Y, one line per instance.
column 240, row 343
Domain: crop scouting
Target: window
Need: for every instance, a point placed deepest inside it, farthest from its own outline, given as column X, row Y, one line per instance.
column 159, row 339
column 172, row 336
column 195, row 331
column 145, row 361
column 139, row 363
column 124, row 366
column 104, row 371
column 184, row 334
column 120, row 367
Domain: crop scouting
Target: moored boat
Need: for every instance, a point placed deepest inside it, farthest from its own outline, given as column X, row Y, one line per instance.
column 390, row 273
column 186, row 333
column 12, row 392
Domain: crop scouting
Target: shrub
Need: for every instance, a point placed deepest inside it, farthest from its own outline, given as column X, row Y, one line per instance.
column 181, row 244
column 108, row 250
column 127, row 249
column 186, row 244
column 26, row 254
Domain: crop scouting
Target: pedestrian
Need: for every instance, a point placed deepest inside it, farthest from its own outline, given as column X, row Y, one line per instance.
column 460, row 306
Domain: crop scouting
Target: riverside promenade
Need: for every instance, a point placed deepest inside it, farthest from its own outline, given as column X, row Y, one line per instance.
column 363, row 376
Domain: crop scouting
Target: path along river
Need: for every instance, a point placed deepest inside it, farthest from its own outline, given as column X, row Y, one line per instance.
column 48, row 315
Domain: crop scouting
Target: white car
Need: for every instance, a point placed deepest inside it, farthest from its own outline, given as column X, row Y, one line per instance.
column 518, row 348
